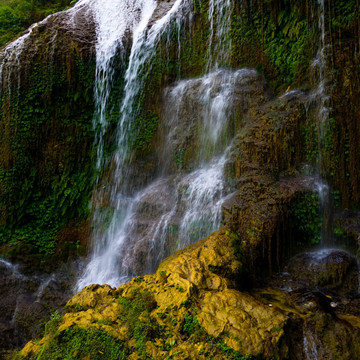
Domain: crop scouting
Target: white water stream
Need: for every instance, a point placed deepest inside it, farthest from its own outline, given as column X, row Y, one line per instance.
column 103, row 264
column 319, row 99
column 219, row 47
column 187, row 205
column 309, row 344
column 178, row 208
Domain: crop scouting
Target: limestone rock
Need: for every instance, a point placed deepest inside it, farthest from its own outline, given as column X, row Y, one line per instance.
column 192, row 299
column 335, row 270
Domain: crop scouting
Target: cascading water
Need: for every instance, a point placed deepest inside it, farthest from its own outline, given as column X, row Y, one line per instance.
column 176, row 209
column 309, row 344
column 219, row 47
column 113, row 21
column 143, row 47
column 321, row 100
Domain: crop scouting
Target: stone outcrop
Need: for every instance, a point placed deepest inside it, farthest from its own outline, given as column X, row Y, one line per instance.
column 334, row 270
column 196, row 283
column 194, row 308
column 29, row 298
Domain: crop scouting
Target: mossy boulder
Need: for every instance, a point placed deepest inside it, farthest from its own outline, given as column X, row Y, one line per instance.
column 188, row 309
column 335, row 270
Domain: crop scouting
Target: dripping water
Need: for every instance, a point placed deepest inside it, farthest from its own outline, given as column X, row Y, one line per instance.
column 309, row 344
column 321, row 100
column 219, row 47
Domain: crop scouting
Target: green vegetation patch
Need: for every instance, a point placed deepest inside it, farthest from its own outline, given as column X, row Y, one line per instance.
column 17, row 15
column 305, row 219
column 136, row 316
column 78, row 343
column 276, row 38
column 46, row 155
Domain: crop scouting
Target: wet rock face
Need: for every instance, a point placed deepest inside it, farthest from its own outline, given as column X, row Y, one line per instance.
column 266, row 144
column 201, row 115
column 334, row 270
column 28, row 302
column 192, row 289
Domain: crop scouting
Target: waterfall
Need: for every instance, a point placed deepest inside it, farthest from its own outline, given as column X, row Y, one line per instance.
column 144, row 41
column 309, row 343
column 183, row 204
column 219, row 47
column 113, row 21
column 320, row 99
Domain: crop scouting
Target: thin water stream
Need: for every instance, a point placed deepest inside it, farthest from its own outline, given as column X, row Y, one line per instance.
column 320, row 99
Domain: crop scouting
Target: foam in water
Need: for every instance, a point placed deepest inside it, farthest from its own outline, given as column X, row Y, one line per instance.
column 309, row 344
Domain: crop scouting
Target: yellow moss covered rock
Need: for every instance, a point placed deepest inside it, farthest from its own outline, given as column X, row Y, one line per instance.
column 251, row 327
column 189, row 309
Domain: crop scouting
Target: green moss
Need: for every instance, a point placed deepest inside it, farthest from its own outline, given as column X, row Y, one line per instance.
column 77, row 343
column 146, row 126
column 305, row 219
column 344, row 14
column 140, row 304
column 46, row 167
column 276, row 39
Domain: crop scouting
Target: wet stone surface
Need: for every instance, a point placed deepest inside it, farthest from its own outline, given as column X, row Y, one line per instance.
column 334, row 270
column 29, row 299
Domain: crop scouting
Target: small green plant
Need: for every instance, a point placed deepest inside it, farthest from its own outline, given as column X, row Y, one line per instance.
column 53, row 323
column 179, row 157
column 139, row 305
column 305, row 219
column 78, row 343
column 191, row 324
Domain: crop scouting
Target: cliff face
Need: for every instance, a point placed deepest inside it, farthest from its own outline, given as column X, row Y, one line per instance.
column 46, row 131
column 280, row 144
column 47, row 108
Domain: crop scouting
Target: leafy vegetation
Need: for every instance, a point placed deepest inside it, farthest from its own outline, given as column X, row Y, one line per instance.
column 305, row 219
column 17, row 15
column 141, row 304
column 279, row 39
column 78, row 343
column 45, row 181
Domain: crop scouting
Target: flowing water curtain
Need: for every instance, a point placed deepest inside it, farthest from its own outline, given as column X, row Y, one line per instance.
column 200, row 186
column 219, row 46
column 121, row 198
